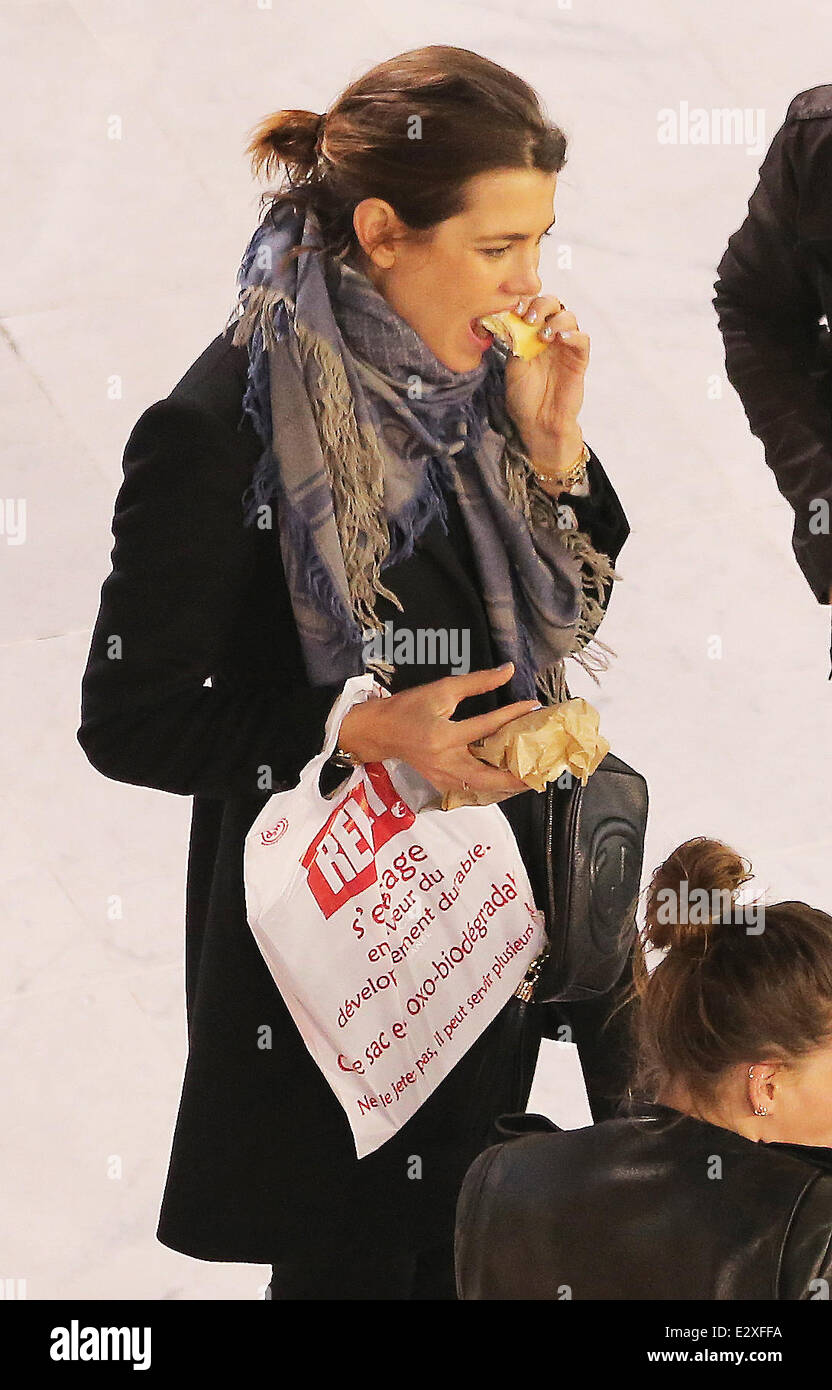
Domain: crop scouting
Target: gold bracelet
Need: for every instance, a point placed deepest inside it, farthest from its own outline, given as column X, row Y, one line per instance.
column 573, row 476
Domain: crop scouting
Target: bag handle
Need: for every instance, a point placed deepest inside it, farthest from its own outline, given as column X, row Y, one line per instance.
column 356, row 690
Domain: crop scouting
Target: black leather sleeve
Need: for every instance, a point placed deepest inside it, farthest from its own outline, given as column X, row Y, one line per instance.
column 768, row 308
column 475, row 1249
column 182, row 567
column 502, row 1238
column 806, row 1264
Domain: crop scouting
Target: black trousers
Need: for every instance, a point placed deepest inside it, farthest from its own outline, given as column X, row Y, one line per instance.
column 602, row 1035
column 426, row 1274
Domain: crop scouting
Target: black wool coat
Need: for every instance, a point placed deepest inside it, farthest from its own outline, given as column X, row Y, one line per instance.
column 263, row 1164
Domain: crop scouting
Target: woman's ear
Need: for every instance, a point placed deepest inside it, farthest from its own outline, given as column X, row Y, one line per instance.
column 763, row 1079
column 374, row 221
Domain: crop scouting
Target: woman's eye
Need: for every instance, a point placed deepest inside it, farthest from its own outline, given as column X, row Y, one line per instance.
column 501, row 250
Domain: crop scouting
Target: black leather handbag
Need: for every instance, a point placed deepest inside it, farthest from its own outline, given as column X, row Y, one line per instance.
column 587, row 848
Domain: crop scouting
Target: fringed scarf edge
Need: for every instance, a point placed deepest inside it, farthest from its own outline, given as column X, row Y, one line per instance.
column 586, row 649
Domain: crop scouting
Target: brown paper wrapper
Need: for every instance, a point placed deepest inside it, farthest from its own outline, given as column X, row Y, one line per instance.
column 538, row 747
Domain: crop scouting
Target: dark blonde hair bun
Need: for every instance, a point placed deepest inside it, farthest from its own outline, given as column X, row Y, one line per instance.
column 695, row 886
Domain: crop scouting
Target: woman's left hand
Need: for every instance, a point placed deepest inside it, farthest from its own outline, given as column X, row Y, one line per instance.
column 544, row 396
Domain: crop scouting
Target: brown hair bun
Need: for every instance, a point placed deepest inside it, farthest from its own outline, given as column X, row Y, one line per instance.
column 696, row 885
column 288, row 138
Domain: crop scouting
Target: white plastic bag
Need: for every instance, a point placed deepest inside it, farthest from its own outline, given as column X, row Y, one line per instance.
column 394, row 934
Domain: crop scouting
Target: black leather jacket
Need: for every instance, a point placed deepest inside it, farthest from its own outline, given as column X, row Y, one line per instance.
column 649, row 1205
column 774, row 287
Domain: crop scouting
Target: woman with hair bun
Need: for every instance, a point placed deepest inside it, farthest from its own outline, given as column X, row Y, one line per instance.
column 715, row 1180
column 353, row 451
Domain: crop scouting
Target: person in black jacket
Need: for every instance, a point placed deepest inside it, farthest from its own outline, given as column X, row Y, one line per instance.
column 715, row 1180
column 198, row 679
column 773, row 294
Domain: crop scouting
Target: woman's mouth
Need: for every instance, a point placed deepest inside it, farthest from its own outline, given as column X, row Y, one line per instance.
column 480, row 335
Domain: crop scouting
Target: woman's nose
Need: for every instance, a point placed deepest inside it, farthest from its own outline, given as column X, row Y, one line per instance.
column 525, row 286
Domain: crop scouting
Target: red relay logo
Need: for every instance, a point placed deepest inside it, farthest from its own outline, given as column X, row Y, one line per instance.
column 340, row 861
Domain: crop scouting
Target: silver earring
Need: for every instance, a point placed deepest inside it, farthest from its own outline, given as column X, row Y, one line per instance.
column 758, row 1109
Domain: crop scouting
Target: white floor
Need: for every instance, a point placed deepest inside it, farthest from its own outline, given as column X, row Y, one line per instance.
column 121, row 256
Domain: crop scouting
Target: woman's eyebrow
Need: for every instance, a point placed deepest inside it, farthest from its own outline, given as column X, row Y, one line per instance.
column 511, row 236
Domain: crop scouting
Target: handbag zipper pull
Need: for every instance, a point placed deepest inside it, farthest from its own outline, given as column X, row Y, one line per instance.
column 525, row 989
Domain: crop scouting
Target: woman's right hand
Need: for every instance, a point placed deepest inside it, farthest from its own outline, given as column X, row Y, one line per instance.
column 415, row 727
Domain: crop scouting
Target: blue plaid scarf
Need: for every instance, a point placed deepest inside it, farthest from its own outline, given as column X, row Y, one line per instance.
column 363, row 429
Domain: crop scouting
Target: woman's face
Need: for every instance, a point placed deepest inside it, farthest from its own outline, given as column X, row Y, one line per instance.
column 801, row 1101
column 479, row 262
